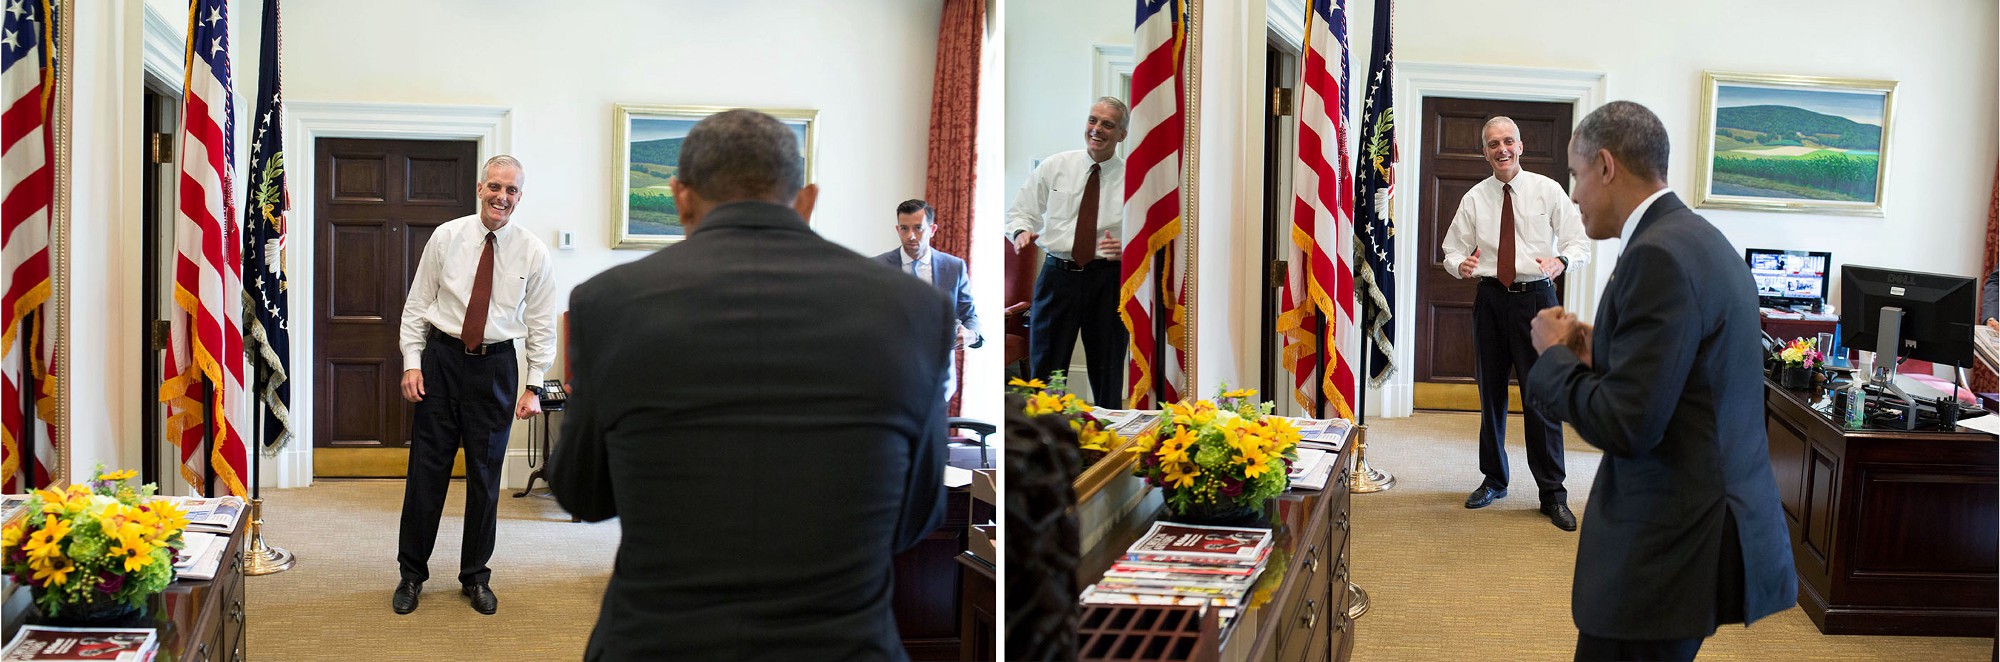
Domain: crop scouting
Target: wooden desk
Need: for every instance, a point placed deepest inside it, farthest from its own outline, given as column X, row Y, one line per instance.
column 196, row 621
column 1304, row 617
column 928, row 586
column 1893, row 532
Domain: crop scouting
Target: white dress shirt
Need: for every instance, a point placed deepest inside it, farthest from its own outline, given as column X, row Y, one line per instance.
column 1632, row 222
column 523, row 300
column 1546, row 224
column 1048, row 202
column 923, row 268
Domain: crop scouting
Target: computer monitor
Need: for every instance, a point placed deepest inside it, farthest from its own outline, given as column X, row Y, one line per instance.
column 1937, row 313
column 1789, row 278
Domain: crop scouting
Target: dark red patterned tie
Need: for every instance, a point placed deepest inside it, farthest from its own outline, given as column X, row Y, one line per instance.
column 1084, row 246
column 482, row 295
column 1506, row 264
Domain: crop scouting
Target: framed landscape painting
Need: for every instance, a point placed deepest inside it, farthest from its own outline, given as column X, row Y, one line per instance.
column 1793, row 143
column 647, row 151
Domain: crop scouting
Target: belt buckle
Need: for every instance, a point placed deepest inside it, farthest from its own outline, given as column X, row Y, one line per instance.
column 1069, row 265
column 474, row 350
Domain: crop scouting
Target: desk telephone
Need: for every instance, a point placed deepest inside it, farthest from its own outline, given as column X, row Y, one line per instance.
column 553, row 393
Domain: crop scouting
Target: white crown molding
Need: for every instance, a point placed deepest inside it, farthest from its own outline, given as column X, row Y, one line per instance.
column 1285, row 21
column 164, row 49
column 1583, row 90
column 305, row 123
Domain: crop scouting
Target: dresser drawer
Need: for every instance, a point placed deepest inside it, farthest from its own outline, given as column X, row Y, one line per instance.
column 1305, row 628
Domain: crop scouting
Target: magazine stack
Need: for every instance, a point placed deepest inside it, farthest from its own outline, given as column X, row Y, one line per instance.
column 1186, row 564
column 40, row 642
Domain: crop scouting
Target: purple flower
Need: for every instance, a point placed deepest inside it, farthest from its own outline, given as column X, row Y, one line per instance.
column 1231, row 487
column 109, row 583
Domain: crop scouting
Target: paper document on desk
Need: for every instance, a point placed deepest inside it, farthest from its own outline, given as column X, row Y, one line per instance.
column 1986, row 345
column 956, row 477
column 1989, row 424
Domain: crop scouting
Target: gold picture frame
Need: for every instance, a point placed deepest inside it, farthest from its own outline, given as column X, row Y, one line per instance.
column 642, row 213
column 1801, row 144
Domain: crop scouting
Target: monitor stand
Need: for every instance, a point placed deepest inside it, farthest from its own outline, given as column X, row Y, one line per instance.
column 1888, row 338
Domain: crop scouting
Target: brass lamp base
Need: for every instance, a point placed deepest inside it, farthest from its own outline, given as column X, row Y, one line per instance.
column 1357, row 601
column 262, row 559
column 1367, row 479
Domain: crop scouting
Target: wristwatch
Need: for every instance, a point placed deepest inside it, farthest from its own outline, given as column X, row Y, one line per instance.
column 537, row 390
column 1565, row 261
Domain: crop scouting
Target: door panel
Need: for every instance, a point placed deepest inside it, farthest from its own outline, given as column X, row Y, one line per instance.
column 376, row 204
column 1452, row 163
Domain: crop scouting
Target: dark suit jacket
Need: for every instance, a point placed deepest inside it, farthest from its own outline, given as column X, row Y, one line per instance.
column 761, row 408
column 948, row 276
column 1677, row 403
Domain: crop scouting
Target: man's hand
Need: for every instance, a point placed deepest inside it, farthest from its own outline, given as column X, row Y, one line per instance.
column 1465, row 268
column 1108, row 246
column 1579, row 342
column 1552, row 326
column 1551, row 266
column 529, row 405
column 966, row 337
column 1022, row 239
column 1993, row 324
column 413, row 385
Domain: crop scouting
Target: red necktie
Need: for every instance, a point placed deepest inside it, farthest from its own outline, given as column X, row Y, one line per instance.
column 1084, row 248
column 474, row 334
column 1506, row 264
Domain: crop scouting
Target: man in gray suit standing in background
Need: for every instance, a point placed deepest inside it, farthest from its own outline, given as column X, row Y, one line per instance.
column 916, row 223
column 1684, row 531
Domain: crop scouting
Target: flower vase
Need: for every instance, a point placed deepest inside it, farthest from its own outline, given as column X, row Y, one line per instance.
column 102, row 610
column 1796, row 378
column 1227, row 513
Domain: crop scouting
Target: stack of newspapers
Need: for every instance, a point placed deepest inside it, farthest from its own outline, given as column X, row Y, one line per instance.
column 41, row 642
column 1186, row 564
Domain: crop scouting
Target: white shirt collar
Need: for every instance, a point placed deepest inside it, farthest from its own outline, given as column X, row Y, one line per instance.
column 1632, row 222
column 926, row 259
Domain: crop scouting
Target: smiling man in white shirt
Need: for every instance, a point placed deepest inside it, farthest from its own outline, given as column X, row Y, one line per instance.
column 1516, row 232
column 482, row 284
column 1073, row 206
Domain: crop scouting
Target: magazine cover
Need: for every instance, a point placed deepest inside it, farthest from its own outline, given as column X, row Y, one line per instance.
column 38, row 642
column 1225, row 543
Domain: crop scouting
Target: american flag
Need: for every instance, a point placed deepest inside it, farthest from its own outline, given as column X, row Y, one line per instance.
column 27, row 78
column 1153, row 198
column 264, row 246
column 205, row 355
column 1375, row 229
column 1319, row 285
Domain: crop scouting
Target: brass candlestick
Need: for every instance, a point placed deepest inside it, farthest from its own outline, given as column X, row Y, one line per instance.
column 1367, row 479
column 262, row 559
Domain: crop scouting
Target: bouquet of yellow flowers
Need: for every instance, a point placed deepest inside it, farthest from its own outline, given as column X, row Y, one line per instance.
column 1054, row 399
column 1218, row 458
column 90, row 548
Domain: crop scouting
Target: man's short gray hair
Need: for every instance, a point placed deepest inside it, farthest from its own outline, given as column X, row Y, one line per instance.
column 1498, row 119
column 499, row 160
column 1633, row 135
column 742, row 155
column 1124, row 113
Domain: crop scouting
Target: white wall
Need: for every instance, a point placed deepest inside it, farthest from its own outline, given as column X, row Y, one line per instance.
column 865, row 65
column 1049, row 57
column 1944, row 133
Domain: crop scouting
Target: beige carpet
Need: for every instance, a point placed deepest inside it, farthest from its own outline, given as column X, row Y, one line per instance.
column 1493, row 584
column 548, row 573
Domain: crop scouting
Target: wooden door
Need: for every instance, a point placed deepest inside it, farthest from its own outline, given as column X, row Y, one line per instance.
column 1452, row 162
column 375, row 204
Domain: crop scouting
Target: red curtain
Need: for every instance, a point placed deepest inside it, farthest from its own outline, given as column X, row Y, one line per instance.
column 954, row 129
column 1983, row 379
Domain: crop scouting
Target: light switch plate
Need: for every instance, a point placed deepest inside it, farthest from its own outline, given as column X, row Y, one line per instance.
column 565, row 240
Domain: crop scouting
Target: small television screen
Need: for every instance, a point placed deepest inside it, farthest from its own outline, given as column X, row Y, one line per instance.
column 1789, row 278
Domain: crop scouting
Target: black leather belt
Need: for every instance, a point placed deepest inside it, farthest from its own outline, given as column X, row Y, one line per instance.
column 481, row 350
column 1529, row 286
column 1067, row 265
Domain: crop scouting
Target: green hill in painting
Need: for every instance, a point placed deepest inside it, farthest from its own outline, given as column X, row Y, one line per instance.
column 665, row 151
column 1789, row 125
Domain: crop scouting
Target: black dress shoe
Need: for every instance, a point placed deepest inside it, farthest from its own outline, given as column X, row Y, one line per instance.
column 405, row 600
column 1483, row 496
column 1560, row 515
column 482, row 598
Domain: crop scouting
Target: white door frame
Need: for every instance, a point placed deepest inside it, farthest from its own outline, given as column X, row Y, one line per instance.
column 1583, row 90
column 305, row 123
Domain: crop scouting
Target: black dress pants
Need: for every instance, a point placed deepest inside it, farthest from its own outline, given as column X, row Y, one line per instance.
column 1501, row 322
column 1068, row 302
column 469, row 402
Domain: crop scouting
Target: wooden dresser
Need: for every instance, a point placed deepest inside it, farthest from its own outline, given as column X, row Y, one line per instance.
column 1893, row 531
column 196, row 621
column 1299, row 609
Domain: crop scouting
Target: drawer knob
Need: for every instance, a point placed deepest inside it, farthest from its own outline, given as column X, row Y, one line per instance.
column 1343, row 521
column 236, row 611
column 1342, row 572
column 1311, row 617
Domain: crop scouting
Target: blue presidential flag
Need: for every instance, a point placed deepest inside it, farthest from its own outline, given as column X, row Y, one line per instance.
column 268, row 334
column 1374, row 184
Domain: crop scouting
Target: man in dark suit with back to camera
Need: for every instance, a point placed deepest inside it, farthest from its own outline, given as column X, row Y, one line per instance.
column 761, row 407
column 916, row 223
column 1683, row 532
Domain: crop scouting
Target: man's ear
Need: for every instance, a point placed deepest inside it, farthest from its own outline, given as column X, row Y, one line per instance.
column 687, row 202
column 1610, row 171
column 804, row 203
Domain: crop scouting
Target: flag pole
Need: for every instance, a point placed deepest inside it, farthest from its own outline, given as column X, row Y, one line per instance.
column 259, row 558
column 26, row 444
